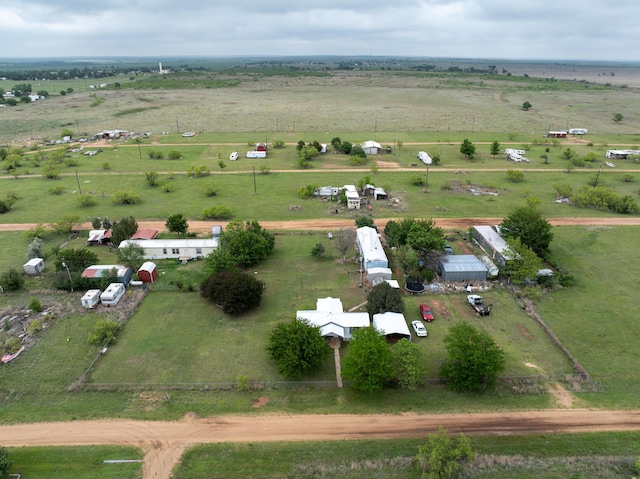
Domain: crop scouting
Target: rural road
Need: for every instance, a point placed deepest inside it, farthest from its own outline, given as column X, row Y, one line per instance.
column 334, row 224
column 164, row 442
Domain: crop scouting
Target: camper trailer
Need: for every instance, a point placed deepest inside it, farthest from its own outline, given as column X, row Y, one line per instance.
column 34, row 266
column 91, row 298
column 112, row 294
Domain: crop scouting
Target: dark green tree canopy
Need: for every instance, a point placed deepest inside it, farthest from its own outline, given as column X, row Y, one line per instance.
column 383, row 298
column 177, row 223
column 443, row 455
column 75, row 259
column 297, row 348
column 123, row 229
column 234, row 292
column 494, row 148
column 527, row 224
column 368, row 364
column 409, row 364
column 467, row 148
column 475, row 360
column 131, row 255
column 247, row 242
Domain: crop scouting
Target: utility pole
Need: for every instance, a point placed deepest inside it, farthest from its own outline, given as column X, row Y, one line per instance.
column 255, row 186
column 65, row 266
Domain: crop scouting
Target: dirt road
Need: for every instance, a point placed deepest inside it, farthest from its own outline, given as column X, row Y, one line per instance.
column 164, row 442
column 337, row 223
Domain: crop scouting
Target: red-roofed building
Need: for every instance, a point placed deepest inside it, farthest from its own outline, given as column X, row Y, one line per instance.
column 145, row 234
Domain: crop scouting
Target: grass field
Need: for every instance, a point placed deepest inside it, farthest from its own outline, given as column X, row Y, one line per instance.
column 546, row 457
column 177, row 338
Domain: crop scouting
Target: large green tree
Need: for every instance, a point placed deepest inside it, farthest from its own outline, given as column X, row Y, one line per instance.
column 75, row 259
column 443, row 455
column 475, row 360
column 297, row 348
column 368, row 364
column 467, row 148
column 409, row 364
column 247, row 242
column 131, row 255
column 527, row 224
column 524, row 263
column 383, row 298
column 177, row 223
column 494, row 148
column 234, row 292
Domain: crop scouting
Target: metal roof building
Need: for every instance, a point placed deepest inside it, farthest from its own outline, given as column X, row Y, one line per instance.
column 462, row 267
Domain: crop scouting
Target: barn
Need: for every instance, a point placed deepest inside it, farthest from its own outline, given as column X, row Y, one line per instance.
column 148, row 272
column 463, row 267
column 392, row 325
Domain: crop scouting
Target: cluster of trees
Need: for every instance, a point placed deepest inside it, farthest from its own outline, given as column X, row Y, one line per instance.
column 241, row 245
column 307, row 152
column 416, row 240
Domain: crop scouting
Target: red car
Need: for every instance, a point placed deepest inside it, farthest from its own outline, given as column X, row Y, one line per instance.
column 426, row 313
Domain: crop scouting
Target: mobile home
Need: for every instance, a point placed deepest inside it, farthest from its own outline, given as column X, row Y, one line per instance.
column 91, row 298
column 112, row 294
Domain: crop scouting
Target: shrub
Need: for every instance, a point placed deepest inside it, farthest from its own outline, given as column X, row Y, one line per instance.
column 174, row 155
column 168, row 187
column 35, row 326
column 106, row 166
column 104, row 331
column 125, row 198
column 265, row 170
column 417, row 179
column 71, row 162
column 278, row 144
column 515, row 176
column 318, row 250
column 233, row 292
column 198, row 171
column 218, row 212
column 86, row 200
column 56, row 190
column 34, row 305
column 628, row 178
column 11, row 280
column 307, row 192
column 51, row 172
column 210, row 190
column 357, row 160
column 155, row 155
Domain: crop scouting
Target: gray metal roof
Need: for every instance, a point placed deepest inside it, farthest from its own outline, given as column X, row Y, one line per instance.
column 462, row 263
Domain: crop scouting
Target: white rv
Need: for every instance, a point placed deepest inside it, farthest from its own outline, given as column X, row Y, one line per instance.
column 112, row 294
column 91, row 298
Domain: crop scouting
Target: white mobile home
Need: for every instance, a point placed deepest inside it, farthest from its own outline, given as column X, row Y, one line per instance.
column 185, row 249
column 256, row 154
column 353, row 198
column 34, row 266
column 371, row 250
column 91, row 298
column 112, row 294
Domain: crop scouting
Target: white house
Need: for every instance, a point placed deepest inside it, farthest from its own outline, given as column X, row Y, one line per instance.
column 392, row 325
column 183, row 249
column 621, row 154
column 371, row 147
column 332, row 320
column 353, row 198
column 370, row 247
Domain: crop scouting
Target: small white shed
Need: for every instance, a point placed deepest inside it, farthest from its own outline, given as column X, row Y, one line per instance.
column 34, row 266
column 91, row 298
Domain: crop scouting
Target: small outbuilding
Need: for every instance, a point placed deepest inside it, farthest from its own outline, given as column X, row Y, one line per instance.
column 91, row 298
column 34, row 266
column 372, row 147
column 121, row 274
column 148, row 272
column 145, row 234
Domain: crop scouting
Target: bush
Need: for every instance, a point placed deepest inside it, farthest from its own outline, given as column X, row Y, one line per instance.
column 155, row 155
column 86, row 200
column 217, row 212
column 104, row 331
column 56, row 190
column 35, row 326
column 125, row 198
column 318, row 250
column 417, row 179
column 515, row 176
column 210, row 190
column 306, row 192
column 278, row 144
column 198, row 171
column 12, row 280
column 34, row 305
column 174, row 155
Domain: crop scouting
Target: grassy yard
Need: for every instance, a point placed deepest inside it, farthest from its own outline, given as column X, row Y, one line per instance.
column 547, row 456
column 84, row 462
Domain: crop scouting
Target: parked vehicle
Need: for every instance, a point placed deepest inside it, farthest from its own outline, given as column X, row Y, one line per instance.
column 478, row 306
column 419, row 328
column 426, row 313
column 448, row 249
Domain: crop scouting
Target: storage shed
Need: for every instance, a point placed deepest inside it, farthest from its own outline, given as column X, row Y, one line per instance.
column 34, row 266
column 462, row 267
column 148, row 272
column 372, row 147
column 91, row 298
column 392, row 325
column 122, row 274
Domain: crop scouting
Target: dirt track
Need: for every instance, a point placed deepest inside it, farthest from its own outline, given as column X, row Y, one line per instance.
column 334, row 224
column 164, row 442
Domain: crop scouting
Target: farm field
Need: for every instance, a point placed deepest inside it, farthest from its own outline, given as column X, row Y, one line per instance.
column 176, row 349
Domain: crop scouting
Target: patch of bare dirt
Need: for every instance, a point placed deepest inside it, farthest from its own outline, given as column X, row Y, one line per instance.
column 260, row 402
column 562, row 397
column 524, row 332
column 440, row 308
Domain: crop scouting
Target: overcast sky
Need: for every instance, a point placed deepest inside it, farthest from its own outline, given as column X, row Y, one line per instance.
column 509, row 29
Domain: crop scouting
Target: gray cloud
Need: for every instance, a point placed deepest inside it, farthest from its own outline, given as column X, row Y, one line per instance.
column 547, row 29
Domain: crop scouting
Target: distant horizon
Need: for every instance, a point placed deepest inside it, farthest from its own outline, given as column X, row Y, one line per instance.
column 155, row 58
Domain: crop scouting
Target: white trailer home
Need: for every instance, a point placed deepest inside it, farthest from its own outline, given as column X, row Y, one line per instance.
column 111, row 296
column 182, row 249
column 353, row 198
column 256, row 154
column 91, row 298
column 577, row 131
